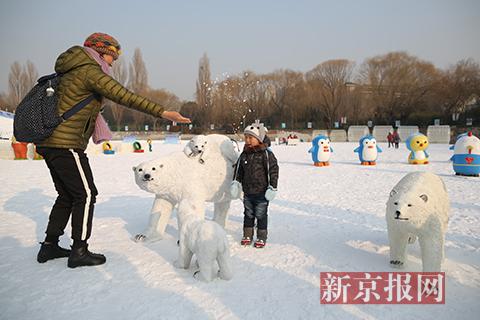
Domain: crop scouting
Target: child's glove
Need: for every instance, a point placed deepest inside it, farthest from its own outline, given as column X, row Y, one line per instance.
column 270, row 193
column 235, row 189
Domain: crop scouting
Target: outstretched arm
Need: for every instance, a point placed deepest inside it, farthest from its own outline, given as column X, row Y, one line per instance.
column 106, row 86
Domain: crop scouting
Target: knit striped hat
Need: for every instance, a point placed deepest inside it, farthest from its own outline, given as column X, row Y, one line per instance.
column 103, row 44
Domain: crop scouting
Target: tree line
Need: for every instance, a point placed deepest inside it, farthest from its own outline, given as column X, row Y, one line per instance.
column 383, row 89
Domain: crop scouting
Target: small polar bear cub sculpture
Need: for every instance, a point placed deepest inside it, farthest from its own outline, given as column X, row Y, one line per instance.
column 418, row 207
column 196, row 146
column 206, row 146
column 208, row 241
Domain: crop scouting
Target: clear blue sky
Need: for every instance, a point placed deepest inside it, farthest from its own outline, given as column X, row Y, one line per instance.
column 238, row 35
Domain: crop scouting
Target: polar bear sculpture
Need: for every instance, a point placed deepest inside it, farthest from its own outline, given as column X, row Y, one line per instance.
column 208, row 241
column 205, row 147
column 418, row 207
column 176, row 179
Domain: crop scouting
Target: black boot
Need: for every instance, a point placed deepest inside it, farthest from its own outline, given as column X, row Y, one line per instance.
column 49, row 251
column 80, row 256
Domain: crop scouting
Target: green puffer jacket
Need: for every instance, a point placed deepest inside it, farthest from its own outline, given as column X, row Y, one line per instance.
column 84, row 76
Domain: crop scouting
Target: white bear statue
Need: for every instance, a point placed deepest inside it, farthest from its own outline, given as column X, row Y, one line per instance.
column 208, row 241
column 177, row 179
column 207, row 146
column 418, row 207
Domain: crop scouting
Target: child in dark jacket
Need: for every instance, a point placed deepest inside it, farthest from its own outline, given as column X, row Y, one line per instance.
column 257, row 171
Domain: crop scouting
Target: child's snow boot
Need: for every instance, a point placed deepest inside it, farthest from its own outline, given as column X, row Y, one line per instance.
column 261, row 239
column 247, row 236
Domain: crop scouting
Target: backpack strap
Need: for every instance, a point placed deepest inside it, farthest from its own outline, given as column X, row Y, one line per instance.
column 268, row 167
column 48, row 77
column 79, row 106
column 237, row 165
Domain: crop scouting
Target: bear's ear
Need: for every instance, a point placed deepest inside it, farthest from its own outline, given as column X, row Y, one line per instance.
column 393, row 192
column 424, row 197
column 134, row 168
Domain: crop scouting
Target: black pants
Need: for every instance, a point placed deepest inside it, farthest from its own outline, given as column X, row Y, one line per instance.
column 256, row 207
column 77, row 193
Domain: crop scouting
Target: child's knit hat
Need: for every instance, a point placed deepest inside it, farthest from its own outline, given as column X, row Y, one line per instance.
column 257, row 130
column 103, row 44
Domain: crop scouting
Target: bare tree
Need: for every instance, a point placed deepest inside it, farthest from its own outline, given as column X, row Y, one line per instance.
column 228, row 106
column 230, row 101
column 119, row 73
column 357, row 110
column 458, row 85
column 281, row 86
column 21, row 80
column 138, row 80
column 30, row 77
column 397, row 83
column 254, row 97
column 204, row 90
column 3, row 102
column 15, row 86
column 327, row 80
column 138, row 83
column 165, row 98
column 192, row 111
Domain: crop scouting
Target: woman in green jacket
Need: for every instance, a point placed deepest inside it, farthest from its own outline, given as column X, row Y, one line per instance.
column 85, row 71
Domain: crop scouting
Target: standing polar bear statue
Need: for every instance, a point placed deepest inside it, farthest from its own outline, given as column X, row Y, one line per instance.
column 208, row 241
column 186, row 181
column 418, row 207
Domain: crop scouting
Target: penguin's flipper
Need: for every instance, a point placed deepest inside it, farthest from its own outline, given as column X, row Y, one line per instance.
column 310, row 150
column 356, row 149
column 452, row 147
column 426, row 154
column 331, row 149
column 378, row 149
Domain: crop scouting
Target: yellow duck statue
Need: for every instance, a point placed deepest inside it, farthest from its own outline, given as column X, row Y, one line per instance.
column 417, row 143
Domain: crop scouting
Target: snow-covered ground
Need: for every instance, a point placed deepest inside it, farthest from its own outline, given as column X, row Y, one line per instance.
column 324, row 219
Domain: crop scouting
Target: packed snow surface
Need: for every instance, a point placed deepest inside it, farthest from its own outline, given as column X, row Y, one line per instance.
column 323, row 219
